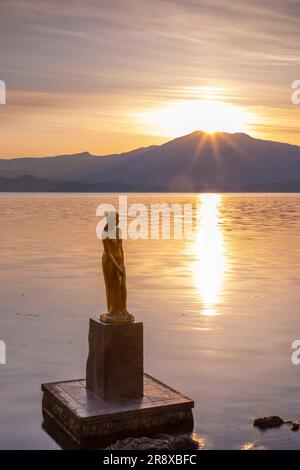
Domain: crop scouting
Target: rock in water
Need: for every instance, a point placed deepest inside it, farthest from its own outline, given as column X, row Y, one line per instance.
column 159, row 442
column 268, row 422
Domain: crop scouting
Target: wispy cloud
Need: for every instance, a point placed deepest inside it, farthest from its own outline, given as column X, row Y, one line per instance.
column 105, row 60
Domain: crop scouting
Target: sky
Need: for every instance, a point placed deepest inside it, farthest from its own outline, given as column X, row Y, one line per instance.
column 109, row 76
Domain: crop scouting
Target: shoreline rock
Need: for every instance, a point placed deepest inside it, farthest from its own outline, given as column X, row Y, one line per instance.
column 159, row 442
column 269, row 422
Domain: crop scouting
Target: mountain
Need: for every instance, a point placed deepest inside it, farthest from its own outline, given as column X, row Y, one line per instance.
column 195, row 162
column 27, row 183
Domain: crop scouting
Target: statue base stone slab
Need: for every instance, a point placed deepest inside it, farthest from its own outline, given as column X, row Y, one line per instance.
column 75, row 418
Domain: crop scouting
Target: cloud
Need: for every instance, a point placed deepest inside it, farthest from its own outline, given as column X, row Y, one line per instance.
column 112, row 58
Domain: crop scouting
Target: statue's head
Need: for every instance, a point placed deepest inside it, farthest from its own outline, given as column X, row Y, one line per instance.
column 111, row 229
column 112, row 219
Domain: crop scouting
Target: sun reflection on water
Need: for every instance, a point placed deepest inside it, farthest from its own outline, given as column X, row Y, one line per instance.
column 209, row 252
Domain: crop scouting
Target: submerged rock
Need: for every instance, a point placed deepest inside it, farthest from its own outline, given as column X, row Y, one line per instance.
column 159, row 442
column 268, row 422
column 295, row 427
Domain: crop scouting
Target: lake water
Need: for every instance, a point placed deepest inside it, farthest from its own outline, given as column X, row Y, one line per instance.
column 220, row 312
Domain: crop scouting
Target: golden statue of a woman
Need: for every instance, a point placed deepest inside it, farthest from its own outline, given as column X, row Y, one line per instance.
column 114, row 273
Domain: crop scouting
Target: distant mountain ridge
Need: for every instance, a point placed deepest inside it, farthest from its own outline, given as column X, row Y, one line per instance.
column 194, row 162
column 28, row 183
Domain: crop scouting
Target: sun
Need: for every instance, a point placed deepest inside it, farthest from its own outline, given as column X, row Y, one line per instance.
column 184, row 117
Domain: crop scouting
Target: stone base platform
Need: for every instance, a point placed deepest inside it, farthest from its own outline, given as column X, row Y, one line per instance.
column 89, row 422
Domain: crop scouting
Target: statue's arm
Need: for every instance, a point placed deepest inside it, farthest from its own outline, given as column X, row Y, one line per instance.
column 122, row 252
column 111, row 257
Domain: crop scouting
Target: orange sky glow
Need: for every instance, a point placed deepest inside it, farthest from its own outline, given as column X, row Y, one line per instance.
column 108, row 77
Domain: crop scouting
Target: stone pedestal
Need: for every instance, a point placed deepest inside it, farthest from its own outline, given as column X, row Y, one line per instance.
column 117, row 400
column 76, row 419
column 115, row 362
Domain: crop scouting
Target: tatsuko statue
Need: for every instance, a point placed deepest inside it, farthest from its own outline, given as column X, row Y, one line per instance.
column 114, row 273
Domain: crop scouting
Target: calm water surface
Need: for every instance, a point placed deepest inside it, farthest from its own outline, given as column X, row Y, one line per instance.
column 220, row 312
